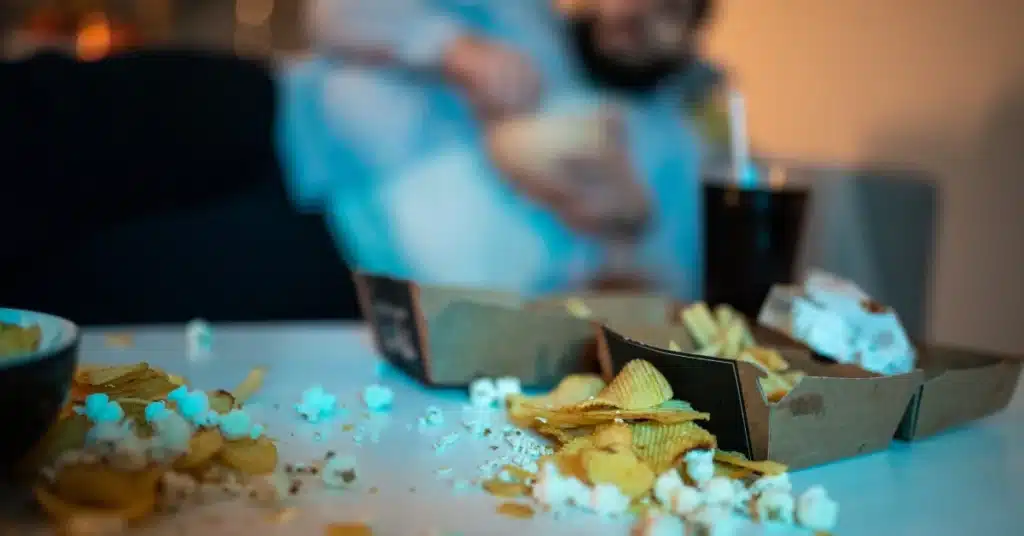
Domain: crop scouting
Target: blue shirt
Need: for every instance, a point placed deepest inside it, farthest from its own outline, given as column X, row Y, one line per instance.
column 394, row 157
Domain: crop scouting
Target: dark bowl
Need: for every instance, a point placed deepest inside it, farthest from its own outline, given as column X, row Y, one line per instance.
column 34, row 386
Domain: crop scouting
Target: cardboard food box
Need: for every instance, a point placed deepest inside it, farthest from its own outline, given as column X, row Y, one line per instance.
column 837, row 411
column 450, row 336
column 959, row 386
column 613, row 307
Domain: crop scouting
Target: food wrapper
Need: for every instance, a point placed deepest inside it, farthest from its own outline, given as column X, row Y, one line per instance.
column 837, row 319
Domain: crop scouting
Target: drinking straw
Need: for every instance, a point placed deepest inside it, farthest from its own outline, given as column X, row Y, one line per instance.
column 739, row 144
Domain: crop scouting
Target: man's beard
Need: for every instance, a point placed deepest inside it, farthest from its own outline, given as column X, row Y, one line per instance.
column 615, row 74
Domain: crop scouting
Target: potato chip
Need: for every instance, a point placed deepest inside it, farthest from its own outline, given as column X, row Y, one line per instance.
column 733, row 472
column 101, row 486
column 250, row 385
column 638, row 385
column 516, row 510
column 771, row 359
column 765, row 468
column 621, row 469
column 558, row 434
column 61, row 509
column 250, row 456
column 662, row 446
column 518, row 474
column 572, row 418
column 775, row 387
column 699, row 322
column 572, row 390
column 348, row 529
column 221, row 401
column 508, row 490
column 203, row 446
column 97, row 376
column 614, row 436
column 577, row 308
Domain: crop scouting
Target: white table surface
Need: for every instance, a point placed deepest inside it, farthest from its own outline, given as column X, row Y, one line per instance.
column 970, row 481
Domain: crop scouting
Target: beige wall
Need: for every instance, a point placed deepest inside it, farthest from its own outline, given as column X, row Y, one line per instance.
column 938, row 84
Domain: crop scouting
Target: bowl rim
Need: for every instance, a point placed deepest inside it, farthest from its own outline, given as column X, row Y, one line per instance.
column 69, row 337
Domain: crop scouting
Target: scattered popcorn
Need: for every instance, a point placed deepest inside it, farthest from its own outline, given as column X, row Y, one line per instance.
column 433, row 417
column 816, row 511
column 446, row 441
column 838, row 319
column 608, row 500
column 577, row 492
column 666, row 486
column 687, row 500
column 483, row 393
column 171, row 432
column 377, row 397
column 272, row 488
column 658, row 524
column 316, row 404
column 775, row 506
column 508, row 386
column 194, row 406
column 156, row 411
column 129, row 454
column 238, row 425
column 198, row 339
column 549, row 489
column 714, row 521
column 339, row 472
column 719, row 491
column 100, row 408
column 700, row 466
column 106, row 435
column 776, row 483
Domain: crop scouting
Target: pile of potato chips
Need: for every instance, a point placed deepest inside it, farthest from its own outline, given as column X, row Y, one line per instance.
column 725, row 334
column 94, row 488
column 624, row 433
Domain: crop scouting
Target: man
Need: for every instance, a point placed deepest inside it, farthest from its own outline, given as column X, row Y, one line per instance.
column 393, row 132
column 435, row 104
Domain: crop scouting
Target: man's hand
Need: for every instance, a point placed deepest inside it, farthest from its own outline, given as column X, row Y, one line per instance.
column 578, row 167
column 496, row 79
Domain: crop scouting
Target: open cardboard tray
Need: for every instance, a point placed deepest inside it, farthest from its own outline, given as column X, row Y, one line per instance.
column 837, row 411
column 447, row 336
column 959, row 385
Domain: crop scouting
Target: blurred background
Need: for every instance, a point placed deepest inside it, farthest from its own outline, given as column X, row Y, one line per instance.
column 931, row 85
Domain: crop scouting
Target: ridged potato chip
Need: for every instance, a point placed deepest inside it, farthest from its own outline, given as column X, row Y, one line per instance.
column 621, row 469
column 572, row 418
column 572, row 390
column 250, row 456
column 101, row 486
column 662, row 446
column 60, row 509
column 508, row 490
column 204, row 445
column 735, row 459
column 615, row 436
column 559, row 435
column 638, row 385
